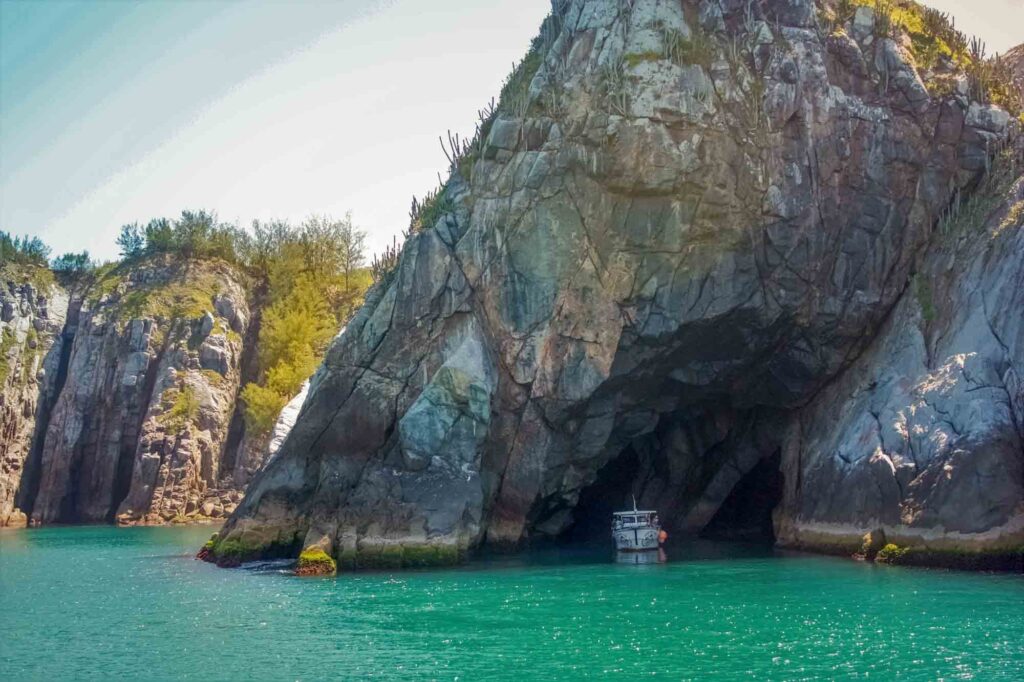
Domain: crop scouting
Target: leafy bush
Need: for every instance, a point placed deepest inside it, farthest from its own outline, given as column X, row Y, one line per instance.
column 697, row 48
column 7, row 341
column 933, row 38
column 424, row 215
column 385, row 262
column 262, row 406
column 131, row 241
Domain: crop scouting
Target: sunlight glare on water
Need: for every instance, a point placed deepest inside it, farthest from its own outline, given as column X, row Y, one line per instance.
column 100, row 602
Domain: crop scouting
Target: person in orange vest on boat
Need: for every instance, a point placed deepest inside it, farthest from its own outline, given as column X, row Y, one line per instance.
column 662, row 536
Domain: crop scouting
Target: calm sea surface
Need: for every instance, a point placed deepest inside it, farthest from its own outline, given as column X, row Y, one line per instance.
column 107, row 603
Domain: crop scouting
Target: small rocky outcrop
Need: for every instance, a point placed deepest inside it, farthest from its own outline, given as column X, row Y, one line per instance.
column 680, row 265
column 32, row 317
column 138, row 432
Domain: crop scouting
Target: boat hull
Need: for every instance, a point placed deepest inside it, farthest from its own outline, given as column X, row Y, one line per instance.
column 639, row 539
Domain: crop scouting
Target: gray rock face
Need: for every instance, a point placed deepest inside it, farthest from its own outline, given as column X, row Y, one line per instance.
column 31, row 328
column 138, row 432
column 650, row 276
column 922, row 437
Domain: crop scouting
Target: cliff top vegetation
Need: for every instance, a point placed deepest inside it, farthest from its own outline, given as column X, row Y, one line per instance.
column 304, row 282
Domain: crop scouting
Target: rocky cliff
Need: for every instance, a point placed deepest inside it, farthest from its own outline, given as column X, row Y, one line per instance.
column 685, row 261
column 923, row 436
column 32, row 319
column 119, row 400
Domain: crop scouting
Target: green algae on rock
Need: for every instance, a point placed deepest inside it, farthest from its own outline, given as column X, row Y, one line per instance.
column 315, row 561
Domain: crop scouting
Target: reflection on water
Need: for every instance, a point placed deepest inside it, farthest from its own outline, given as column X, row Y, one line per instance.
column 648, row 556
column 678, row 550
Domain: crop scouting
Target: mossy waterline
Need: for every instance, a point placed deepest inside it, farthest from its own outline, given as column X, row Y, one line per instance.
column 1006, row 559
column 234, row 549
column 401, row 556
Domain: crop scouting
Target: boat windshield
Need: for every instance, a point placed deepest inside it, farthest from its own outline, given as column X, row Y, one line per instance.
column 642, row 517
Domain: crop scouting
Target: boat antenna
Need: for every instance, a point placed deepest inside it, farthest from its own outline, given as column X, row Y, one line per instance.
column 634, row 502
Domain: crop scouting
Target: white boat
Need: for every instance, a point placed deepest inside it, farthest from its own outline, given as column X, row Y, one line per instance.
column 637, row 530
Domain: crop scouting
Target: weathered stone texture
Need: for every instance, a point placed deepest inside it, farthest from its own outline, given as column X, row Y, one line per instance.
column 31, row 328
column 661, row 257
column 138, row 433
column 923, row 436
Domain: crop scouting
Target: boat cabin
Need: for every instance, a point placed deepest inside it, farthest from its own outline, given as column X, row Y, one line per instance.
column 634, row 519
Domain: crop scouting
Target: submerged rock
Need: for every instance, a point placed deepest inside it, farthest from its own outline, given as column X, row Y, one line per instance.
column 668, row 268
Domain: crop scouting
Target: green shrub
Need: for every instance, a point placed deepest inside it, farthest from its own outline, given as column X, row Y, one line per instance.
column 293, row 337
column 1014, row 217
column 634, row 58
column 934, row 36
column 424, row 215
column 39, row 277
column 973, row 212
column 30, row 351
column 923, row 294
column 23, row 250
column 262, row 406
column 872, row 544
column 183, row 411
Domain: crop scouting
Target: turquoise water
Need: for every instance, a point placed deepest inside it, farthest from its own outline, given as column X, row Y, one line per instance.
column 107, row 603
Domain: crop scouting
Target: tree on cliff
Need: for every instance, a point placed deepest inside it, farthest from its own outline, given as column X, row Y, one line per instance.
column 314, row 281
column 73, row 268
column 23, row 250
column 131, row 241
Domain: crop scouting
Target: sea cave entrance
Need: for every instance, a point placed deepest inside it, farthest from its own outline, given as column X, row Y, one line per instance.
column 718, row 483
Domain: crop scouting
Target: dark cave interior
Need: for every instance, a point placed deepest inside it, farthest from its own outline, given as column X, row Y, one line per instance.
column 745, row 515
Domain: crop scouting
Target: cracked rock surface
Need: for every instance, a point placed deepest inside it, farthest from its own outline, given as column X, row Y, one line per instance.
column 31, row 328
column 138, row 432
column 684, row 264
column 923, row 435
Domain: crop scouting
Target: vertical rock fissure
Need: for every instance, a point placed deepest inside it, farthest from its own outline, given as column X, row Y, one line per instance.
column 249, row 365
column 28, row 488
column 130, row 436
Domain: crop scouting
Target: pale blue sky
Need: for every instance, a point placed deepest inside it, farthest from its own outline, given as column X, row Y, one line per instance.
column 114, row 111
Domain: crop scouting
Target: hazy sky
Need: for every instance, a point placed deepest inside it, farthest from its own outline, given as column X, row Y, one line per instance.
column 114, row 112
